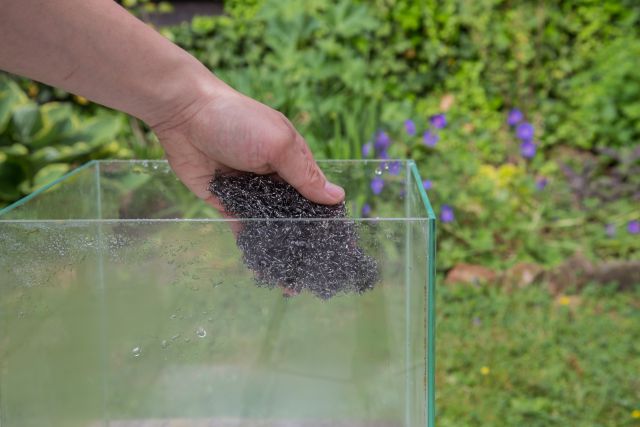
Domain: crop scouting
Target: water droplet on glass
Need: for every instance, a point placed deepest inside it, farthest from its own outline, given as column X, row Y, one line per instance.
column 137, row 351
column 175, row 337
column 187, row 339
column 201, row 332
column 173, row 316
column 210, row 319
column 378, row 171
column 164, row 344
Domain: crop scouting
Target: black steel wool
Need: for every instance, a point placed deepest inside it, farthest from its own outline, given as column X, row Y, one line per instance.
column 318, row 255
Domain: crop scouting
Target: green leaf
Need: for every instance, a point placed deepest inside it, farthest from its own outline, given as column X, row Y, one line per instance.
column 56, row 123
column 15, row 150
column 49, row 174
column 100, row 129
column 11, row 174
column 11, row 96
column 26, row 120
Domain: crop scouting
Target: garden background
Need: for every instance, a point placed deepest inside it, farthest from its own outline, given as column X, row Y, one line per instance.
column 524, row 120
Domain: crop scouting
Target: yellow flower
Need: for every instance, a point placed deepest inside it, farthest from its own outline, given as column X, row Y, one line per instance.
column 564, row 300
column 81, row 99
column 507, row 174
column 485, row 370
column 489, row 172
column 635, row 414
column 32, row 90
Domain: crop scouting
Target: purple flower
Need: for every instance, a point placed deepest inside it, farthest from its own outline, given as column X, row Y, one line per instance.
column 383, row 155
column 515, row 116
column 366, row 209
column 366, row 149
column 610, row 230
column 438, row 121
column 394, row 167
column 528, row 149
column 430, row 138
column 382, row 141
column 446, row 214
column 427, row 184
column 633, row 227
column 541, row 183
column 410, row 127
column 377, row 184
column 525, row 131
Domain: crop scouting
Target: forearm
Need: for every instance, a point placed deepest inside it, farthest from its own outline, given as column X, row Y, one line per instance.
column 96, row 49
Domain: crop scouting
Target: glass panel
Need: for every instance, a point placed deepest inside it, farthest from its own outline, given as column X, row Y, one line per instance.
column 50, row 334
column 150, row 190
column 158, row 322
column 73, row 196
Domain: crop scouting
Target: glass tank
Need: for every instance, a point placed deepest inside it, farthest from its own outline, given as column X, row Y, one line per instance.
column 126, row 301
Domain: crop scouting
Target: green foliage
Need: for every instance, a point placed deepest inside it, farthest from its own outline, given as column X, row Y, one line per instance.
column 549, row 364
column 311, row 60
column 39, row 143
column 603, row 102
column 142, row 8
column 344, row 69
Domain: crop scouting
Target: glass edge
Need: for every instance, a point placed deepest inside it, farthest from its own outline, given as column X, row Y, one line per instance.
column 423, row 194
column 44, row 188
column 81, row 221
column 431, row 300
column 406, row 161
column 431, row 324
column 410, row 167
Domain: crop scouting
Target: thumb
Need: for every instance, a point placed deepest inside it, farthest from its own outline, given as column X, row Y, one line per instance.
column 295, row 164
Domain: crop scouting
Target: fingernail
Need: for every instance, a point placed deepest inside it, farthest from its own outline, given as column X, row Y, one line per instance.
column 334, row 190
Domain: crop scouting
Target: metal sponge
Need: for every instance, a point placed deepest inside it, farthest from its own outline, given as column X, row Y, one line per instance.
column 317, row 251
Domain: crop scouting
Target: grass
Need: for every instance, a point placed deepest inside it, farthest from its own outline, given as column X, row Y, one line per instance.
column 527, row 359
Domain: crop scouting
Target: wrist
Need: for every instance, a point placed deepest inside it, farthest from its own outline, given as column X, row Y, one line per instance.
column 180, row 95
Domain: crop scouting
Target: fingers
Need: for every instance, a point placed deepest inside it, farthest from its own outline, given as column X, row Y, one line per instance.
column 295, row 164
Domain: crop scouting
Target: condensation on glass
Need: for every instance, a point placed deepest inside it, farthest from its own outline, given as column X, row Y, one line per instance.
column 124, row 301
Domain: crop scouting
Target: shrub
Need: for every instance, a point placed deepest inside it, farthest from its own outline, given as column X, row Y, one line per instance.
column 39, row 143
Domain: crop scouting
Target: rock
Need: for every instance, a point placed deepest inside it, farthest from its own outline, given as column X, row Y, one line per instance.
column 575, row 272
column 521, row 275
column 470, row 274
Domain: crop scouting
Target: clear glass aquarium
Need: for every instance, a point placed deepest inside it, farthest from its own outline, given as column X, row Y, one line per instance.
column 125, row 301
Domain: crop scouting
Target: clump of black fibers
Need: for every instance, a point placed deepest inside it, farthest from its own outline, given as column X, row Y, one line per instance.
column 320, row 255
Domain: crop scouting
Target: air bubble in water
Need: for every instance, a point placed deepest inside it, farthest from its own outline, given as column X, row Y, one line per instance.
column 137, row 351
column 201, row 332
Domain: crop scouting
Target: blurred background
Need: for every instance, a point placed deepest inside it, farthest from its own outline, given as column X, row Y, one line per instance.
column 524, row 119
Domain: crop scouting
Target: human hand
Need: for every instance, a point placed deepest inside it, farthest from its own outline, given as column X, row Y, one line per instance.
column 222, row 129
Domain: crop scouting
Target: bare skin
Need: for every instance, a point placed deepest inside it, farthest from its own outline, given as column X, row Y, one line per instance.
column 96, row 49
